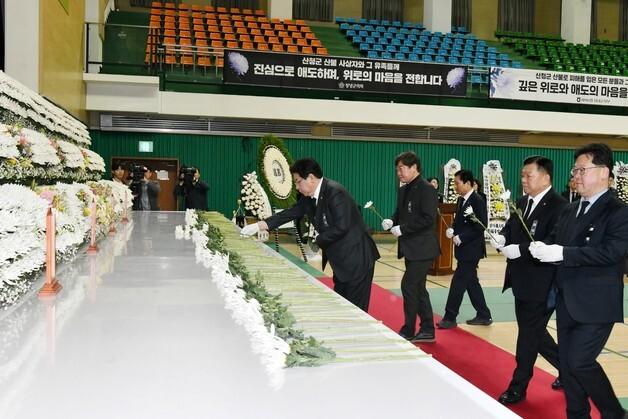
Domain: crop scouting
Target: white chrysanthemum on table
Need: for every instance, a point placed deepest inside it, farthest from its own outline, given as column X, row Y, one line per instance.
column 93, row 160
column 39, row 148
column 8, row 144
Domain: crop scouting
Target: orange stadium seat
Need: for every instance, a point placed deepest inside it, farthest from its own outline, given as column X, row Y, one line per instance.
column 217, row 44
column 275, row 20
column 262, row 47
column 197, row 8
column 236, row 18
column 300, row 22
column 198, row 21
column 296, row 35
column 221, row 9
column 169, row 12
column 247, row 11
column 316, row 43
column 209, row 9
column 282, row 34
column 252, row 25
column 263, row 19
column 215, row 35
column 242, row 31
column 184, row 26
column 260, row 12
column 200, row 35
column 250, row 19
column 220, row 62
column 302, row 42
column 232, row 44
column 293, row 49
column 200, row 42
column 287, row 41
column 224, row 16
column 234, row 11
column 156, row 4
column 307, row 50
column 229, row 37
column 269, row 33
column 238, row 24
column 212, row 22
column 169, row 5
column 184, row 34
column 259, row 39
column 273, row 40
column 255, row 32
column 213, row 28
column 204, row 61
column 244, row 38
column 169, row 32
column 199, row 28
column 321, row 51
column 279, row 27
column 187, row 60
column 247, row 45
column 310, row 35
column 183, row 6
column 306, row 29
column 277, row 48
column 292, row 28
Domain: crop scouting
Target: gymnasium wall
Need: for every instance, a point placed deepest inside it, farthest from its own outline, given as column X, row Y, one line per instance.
column 608, row 19
column 547, row 16
column 366, row 168
column 61, row 55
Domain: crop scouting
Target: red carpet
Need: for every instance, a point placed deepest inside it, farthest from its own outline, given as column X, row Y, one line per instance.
column 485, row 365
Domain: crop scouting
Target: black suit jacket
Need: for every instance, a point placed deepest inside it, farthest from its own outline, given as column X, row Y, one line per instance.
column 417, row 209
column 530, row 279
column 471, row 233
column 591, row 276
column 342, row 233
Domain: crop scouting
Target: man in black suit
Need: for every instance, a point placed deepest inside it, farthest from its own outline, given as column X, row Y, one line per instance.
column 413, row 224
column 589, row 245
column 342, row 233
column 468, row 236
column 570, row 193
column 529, row 279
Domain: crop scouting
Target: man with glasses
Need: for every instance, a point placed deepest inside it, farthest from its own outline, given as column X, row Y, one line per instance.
column 530, row 280
column 588, row 245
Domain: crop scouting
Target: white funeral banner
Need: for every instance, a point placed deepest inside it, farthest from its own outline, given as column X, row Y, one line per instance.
column 555, row 86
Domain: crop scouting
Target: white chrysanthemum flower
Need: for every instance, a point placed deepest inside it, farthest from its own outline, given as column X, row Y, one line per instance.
column 468, row 211
column 238, row 63
column 369, row 204
column 456, row 76
column 505, row 196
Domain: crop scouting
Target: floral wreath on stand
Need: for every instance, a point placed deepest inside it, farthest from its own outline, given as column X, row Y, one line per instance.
column 620, row 170
column 497, row 204
column 450, row 196
column 255, row 200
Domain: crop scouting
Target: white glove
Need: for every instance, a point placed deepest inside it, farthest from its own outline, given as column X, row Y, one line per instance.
column 511, row 251
column 457, row 240
column 396, row 231
column 387, row 224
column 546, row 253
column 498, row 241
column 249, row 230
column 449, row 233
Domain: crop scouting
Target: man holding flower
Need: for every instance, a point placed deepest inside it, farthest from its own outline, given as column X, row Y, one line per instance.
column 467, row 233
column 413, row 224
column 529, row 279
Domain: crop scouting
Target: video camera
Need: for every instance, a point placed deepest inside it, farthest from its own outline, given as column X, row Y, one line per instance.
column 136, row 174
column 186, row 175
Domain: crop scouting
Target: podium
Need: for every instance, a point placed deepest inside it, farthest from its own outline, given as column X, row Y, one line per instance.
column 443, row 264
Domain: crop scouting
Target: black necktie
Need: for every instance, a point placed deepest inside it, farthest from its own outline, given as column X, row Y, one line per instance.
column 573, row 197
column 583, row 208
column 528, row 209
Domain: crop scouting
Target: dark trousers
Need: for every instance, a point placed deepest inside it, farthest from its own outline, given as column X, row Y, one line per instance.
column 416, row 300
column 532, row 339
column 357, row 291
column 579, row 345
column 466, row 279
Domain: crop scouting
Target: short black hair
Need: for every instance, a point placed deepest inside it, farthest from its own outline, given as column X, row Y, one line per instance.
column 305, row 167
column 477, row 182
column 542, row 163
column 601, row 154
column 117, row 166
column 433, row 178
column 409, row 158
column 466, row 176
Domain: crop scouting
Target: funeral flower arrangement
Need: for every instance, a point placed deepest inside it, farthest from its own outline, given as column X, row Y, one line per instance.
column 496, row 198
column 264, row 315
column 254, row 197
column 620, row 170
column 449, row 192
column 22, row 226
column 274, row 163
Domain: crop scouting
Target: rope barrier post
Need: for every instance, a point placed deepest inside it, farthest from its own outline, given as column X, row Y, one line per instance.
column 52, row 286
column 93, row 249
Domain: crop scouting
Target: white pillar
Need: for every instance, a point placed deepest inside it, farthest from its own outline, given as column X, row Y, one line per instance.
column 21, row 45
column 575, row 25
column 281, row 9
column 437, row 15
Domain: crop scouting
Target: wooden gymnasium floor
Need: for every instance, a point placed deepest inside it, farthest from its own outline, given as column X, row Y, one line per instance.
column 503, row 332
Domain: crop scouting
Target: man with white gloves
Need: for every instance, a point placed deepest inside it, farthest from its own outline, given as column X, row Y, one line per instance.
column 530, row 280
column 468, row 237
column 413, row 224
column 342, row 233
column 588, row 245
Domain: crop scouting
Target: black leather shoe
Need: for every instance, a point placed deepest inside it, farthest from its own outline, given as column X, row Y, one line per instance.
column 557, row 384
column 406, row 336
column 446, row 324
column 478, row 321
column 422, row 337
column 511, row 396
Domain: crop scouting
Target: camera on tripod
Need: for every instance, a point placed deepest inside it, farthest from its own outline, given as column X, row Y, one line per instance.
column 136, row 174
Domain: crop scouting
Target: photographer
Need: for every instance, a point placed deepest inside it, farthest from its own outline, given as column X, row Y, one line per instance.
column 145, row 191
column 192, row 189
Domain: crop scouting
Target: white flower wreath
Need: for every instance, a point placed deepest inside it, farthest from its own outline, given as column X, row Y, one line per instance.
column 254, row 197
column 277, row 172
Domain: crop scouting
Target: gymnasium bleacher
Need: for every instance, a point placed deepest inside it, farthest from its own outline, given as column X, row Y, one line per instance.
column 551, row 52
column 187, row 36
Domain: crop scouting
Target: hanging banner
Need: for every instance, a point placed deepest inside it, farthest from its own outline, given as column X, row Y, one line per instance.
column 343, row 73
column 554, row 86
